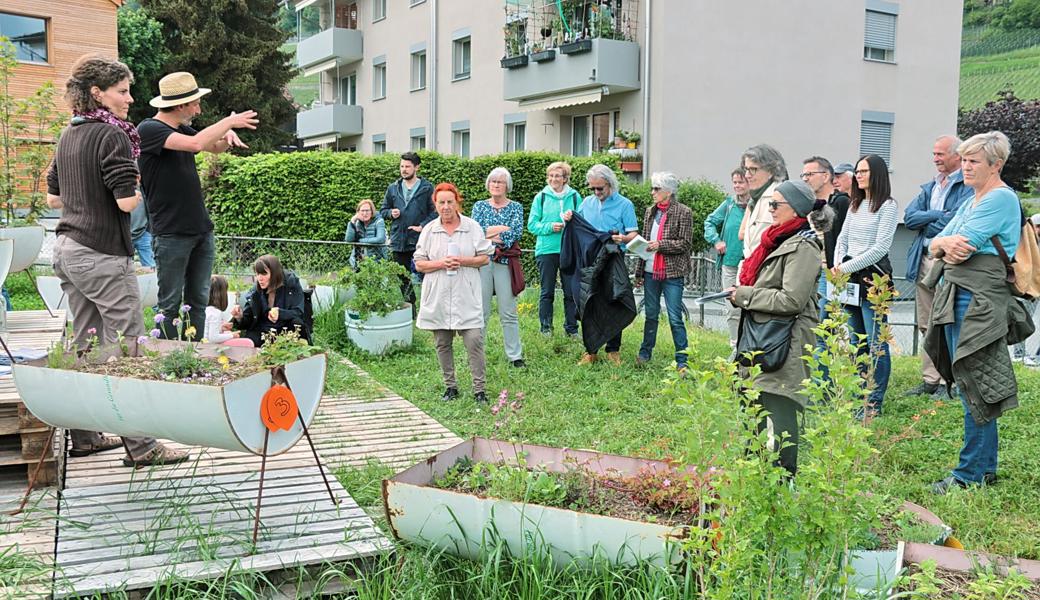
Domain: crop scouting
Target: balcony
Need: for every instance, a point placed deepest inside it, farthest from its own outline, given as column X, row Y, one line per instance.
column 324, row 123
column 329, row 48
column 596, row 66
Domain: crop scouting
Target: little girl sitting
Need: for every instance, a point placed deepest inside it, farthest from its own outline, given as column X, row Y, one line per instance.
column 218, row 331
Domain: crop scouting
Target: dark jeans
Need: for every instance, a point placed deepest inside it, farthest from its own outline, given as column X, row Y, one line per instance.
column 979, row 452
column 549, row 268
column 673, row 291
column 184, row 264
column 405, row 260
column 862, row 323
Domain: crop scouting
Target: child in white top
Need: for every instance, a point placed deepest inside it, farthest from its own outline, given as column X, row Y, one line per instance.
column 218, row 331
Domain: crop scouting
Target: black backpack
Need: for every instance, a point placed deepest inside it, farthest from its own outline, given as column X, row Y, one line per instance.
column 308, row 315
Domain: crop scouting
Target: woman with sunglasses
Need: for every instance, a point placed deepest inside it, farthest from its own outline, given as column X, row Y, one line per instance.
column 864, row 241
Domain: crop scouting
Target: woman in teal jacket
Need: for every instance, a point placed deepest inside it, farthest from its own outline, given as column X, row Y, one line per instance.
column 546, row 223
column 722, row 230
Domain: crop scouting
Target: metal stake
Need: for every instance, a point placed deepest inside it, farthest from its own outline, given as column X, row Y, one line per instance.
column 38, row 293
column 260, row 491
column 35, row 473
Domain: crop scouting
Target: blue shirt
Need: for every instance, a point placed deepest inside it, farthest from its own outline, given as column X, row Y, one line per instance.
column 616, row 213
column 999, row 213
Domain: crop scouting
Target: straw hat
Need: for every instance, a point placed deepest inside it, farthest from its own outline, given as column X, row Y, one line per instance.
column 176, row 89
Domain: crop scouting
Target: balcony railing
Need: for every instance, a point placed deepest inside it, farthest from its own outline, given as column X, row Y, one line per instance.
column 330, row 48
column 329, row 120
column 603, row 65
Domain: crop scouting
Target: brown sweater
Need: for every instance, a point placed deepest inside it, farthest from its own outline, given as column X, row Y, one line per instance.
column 92, row 167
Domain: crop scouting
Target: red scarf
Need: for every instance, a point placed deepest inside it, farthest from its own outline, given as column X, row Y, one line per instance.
column 771, row 239
column 658, row 257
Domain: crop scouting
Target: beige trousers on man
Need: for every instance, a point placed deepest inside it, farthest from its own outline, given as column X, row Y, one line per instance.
column 925, row 298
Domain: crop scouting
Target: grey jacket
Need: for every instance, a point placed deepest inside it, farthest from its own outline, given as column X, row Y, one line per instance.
column 980, row 364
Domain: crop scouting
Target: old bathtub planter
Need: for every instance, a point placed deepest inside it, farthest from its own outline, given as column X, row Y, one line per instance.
column 457, row 522
column 962, row 561
column 50, row 290
column 327, row 296
column 28, row 240
column 218, row 416
column 378, row 334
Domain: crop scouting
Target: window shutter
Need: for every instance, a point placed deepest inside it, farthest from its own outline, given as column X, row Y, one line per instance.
column 881, row 31
column 876, row 138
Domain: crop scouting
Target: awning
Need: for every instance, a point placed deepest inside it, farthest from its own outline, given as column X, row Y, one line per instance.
column 317, row 141
column 562, row 100
column 302, row 4
column 318, row 68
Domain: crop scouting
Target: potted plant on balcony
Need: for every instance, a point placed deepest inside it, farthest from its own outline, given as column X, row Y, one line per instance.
column 577, row 46
column 516, row 41
column 633, row 138
column 541, row 54
column 632, row 163
column 193, row 393
column 377, row 317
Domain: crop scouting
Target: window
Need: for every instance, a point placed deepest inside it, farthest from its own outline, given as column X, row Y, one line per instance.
column 418, row 70
column 418, row 142
column 379, row 81
column 348, row 90
column 879, row 40
column 460, row 56
column 460, row 142
column 592, row 133
column 29, row 36
column 876, row 138
column 516, row 134
column 379, row 147
column 346, row 15
column 378, row 10
column 580, row 136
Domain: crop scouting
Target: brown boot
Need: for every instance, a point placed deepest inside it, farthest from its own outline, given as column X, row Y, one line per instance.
column 587, row 359
column 614, row 357
column 159, row 455
column 104, row 442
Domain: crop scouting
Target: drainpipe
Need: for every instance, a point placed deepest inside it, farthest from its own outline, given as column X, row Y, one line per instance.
column 646, row 88
column 431, row 62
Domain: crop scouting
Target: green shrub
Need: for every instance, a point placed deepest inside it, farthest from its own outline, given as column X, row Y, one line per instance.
column 312, row 195
column 378, row 285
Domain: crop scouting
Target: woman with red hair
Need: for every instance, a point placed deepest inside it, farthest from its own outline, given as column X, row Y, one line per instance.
column 450, row 251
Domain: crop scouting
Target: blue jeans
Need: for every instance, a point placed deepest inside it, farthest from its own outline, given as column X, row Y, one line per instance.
column 979, row 452
column 184, row 264
column 672, row 289
column 143, row 245
column 548, row 268
column 861, row 323
column 7, row 298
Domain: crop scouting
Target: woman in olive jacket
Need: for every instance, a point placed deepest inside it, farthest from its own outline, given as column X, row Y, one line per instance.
column 779, row 280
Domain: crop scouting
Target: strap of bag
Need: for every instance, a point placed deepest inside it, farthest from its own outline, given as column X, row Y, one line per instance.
column 1008, row 267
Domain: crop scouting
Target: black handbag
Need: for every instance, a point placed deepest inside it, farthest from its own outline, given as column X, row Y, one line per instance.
column 764, row 344
column 865, row 276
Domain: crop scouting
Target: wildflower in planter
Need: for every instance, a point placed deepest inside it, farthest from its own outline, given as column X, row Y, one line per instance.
column 160, row 318
column 92, row 331
column 176, row 322
column 185, row 309
column 142, row 339
column 155, row 333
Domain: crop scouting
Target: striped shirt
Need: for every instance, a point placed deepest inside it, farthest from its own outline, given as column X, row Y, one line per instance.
column 866, row 236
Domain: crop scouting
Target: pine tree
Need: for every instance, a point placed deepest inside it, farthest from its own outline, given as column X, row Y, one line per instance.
column 233, row 47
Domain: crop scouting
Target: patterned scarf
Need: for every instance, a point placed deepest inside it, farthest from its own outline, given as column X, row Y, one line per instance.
column 771, row 239
column 658, row 257
column 103, row 115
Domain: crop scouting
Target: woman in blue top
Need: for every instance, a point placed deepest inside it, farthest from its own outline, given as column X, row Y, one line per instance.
column 367, row 229
column 503, row 223
column 973, row 305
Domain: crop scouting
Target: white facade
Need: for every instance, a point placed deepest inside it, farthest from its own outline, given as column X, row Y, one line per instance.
column 719, row 76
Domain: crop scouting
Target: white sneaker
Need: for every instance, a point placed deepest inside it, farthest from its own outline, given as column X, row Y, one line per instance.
column 1031, row 361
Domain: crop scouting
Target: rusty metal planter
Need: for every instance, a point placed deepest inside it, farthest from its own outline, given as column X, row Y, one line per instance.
column 459, row 523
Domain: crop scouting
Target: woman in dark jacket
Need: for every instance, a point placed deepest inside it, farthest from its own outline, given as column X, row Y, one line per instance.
column 274, row 305
column 778, row 280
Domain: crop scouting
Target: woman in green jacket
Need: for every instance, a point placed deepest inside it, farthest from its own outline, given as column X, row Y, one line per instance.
column 722, row 231
column 778, row 280
column 546, row 223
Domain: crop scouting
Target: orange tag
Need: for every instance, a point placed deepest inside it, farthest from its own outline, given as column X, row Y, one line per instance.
column 278, row 409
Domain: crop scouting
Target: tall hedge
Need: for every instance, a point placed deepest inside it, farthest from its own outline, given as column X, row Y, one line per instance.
column 312, row 195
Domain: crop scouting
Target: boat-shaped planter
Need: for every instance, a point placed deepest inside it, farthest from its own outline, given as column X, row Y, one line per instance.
column 50, row 290
column 218, row 416
column 28, row 240
column 459, row 522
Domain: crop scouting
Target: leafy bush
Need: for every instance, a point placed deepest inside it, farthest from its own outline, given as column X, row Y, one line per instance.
column 378, row 284
column 1020, row 120
column 312, row 195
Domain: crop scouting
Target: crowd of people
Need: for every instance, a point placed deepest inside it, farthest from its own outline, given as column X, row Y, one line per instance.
column 779, row 243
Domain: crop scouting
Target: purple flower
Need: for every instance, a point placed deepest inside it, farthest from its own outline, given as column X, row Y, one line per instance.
column 142, row 339
column 155, row 333
column 185, row 309
column 176, row 322
column 495, row 409
column 159, row 318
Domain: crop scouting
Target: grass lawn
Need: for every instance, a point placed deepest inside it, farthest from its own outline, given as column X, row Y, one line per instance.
column 625, row 410
column 983, row 76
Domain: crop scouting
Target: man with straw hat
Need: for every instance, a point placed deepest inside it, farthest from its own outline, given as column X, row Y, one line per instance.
column 182, row 231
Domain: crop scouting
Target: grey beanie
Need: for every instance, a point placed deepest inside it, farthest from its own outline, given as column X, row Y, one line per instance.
column 799, row 196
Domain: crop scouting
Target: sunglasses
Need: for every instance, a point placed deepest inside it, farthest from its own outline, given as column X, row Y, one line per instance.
column 597, row 188
column 774, row 205
column 655, row 189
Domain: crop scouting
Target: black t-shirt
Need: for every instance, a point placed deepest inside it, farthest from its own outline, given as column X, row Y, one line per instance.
column 171, row 183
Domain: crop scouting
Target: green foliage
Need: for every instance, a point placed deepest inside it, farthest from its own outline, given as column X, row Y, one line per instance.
column 1021, row 14
column 312, row 195
column 184, row 363
column 143, row 49
column 42, row 123
column 378, row 285
column 283, row 348
column 233, row 47
column 1019, row 120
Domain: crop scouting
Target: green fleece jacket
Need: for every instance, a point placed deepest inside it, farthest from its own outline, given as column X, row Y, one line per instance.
column 546, row 209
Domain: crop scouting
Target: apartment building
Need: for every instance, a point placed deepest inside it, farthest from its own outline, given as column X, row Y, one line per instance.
column 700, row 80
column 50, row 35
